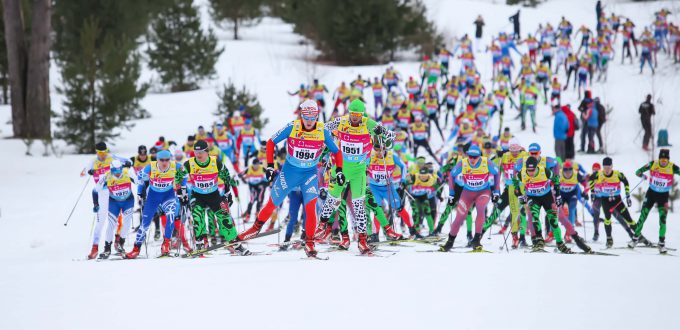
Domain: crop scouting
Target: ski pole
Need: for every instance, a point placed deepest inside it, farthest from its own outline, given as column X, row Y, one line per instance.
column 621, row 201
column 77, row 200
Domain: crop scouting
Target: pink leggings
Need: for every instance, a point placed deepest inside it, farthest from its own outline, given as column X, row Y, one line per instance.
column 467, row 199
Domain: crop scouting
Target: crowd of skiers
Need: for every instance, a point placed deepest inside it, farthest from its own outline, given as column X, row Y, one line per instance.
column 340, row 157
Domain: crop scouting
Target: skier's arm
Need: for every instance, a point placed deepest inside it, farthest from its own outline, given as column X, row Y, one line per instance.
column 333, row 148
column 644, row 169
column 624, row 180
column 493, row 169
column 143, row 180
column 332, row 125
column 386, row 134
column 181, row 173
column 555, row 180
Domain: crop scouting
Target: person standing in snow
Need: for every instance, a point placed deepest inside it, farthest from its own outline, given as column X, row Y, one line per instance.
column 306, row 138
column 661, row 174
column 479, row 25
column 569, row 148
column 646, row 111
column 560, row 130
column 515, row 25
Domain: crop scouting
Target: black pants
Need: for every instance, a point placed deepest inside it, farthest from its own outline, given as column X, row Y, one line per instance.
column 615, row 204
column 647, row 126
column 256, row 196
column 423, row 143
column 570, row 148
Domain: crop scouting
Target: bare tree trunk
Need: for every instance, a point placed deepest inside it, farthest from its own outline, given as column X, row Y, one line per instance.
column 16, row 59
column 38, row 76
column 235, row 28
column 29, row 66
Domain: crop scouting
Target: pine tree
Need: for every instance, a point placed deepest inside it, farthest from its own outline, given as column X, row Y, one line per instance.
column 232, row 99
column 180, row 51
column 236, row 12
column 95, row 47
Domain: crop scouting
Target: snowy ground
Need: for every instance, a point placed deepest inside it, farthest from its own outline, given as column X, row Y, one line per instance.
column 41, row 287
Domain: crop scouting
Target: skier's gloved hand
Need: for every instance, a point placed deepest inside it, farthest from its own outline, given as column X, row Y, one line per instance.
column 323, row 193
column 182, row 196
column 558, row 200
column 127, row 164
column 269, row 172
column 378, row 130
column 339, row 176
column 592, row 198
column 629, row 203
column 95, row 209
column 229, row 199
column 495, row 197
column 452, row 200
column 522, row 199
column 90, row 172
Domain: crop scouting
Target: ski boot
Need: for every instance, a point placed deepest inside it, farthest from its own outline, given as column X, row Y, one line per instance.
column 523, row 241
column 284, row 246
column 252, row 231
column 344, row 242
column 550, row 238
column 213, row 241
column 107, row 251
column 373, row 238
column 515, row 241
column 165, row 247
column 438, row 230
column 610, row 242
column 391, row 234
column 538, row 243
column 335, row 236
column 448, row 245
column 563, row 248
column 581, row 243
column 469, row 240
column 363, row 244
column 633, row 243
column 134, row 253
column 93, row 252
column 476, row 245
column 414, row 233
column 645, row 241
column 119, row 245
column 309, row 249
column 323, row 232
column 596, row 236
column 241, row 250
column 662, row 246
column 502, row 230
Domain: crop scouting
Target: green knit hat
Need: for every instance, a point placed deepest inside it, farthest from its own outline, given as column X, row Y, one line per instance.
column 357, row 106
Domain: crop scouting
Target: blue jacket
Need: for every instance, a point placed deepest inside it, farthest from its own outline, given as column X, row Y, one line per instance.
column 592, row 120
column 560, row 126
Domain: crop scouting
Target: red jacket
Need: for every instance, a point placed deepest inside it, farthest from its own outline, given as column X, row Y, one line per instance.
column 571, row 117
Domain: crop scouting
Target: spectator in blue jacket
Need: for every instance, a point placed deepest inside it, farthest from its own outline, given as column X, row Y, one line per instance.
column 560, row 129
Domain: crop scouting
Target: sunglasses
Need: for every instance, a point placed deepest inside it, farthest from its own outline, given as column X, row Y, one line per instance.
column 356, row 115
column 310, row 118
column 102, row 152
column 473, row 157
column 568, row 169
column 164, row 160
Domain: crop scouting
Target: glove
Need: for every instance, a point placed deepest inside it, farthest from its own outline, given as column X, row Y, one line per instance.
column 522, row 199
column 558, row 200
column 592, row 198
column 378, row 130
column 127, row 164
column 182, row 196
column 90, row 172
column 339, row 176
column 269, row 172
column 629, row 203
column 585, row 196
column 95, row 209
column 229, row 198
column 518, row 192
column 323, row 193
column 495, row 197
column 638, row 174
column 452, row 200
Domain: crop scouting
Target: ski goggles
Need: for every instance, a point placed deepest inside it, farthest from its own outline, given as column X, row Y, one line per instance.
column 309, row 118
column 102, row 152
column 356, row 115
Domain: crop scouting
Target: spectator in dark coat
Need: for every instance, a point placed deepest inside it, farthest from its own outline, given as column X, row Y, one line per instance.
column 584, row 108
column 646, row 112
column 515, row 24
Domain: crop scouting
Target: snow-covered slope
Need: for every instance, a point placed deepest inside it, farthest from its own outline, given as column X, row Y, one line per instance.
column 42, row 288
